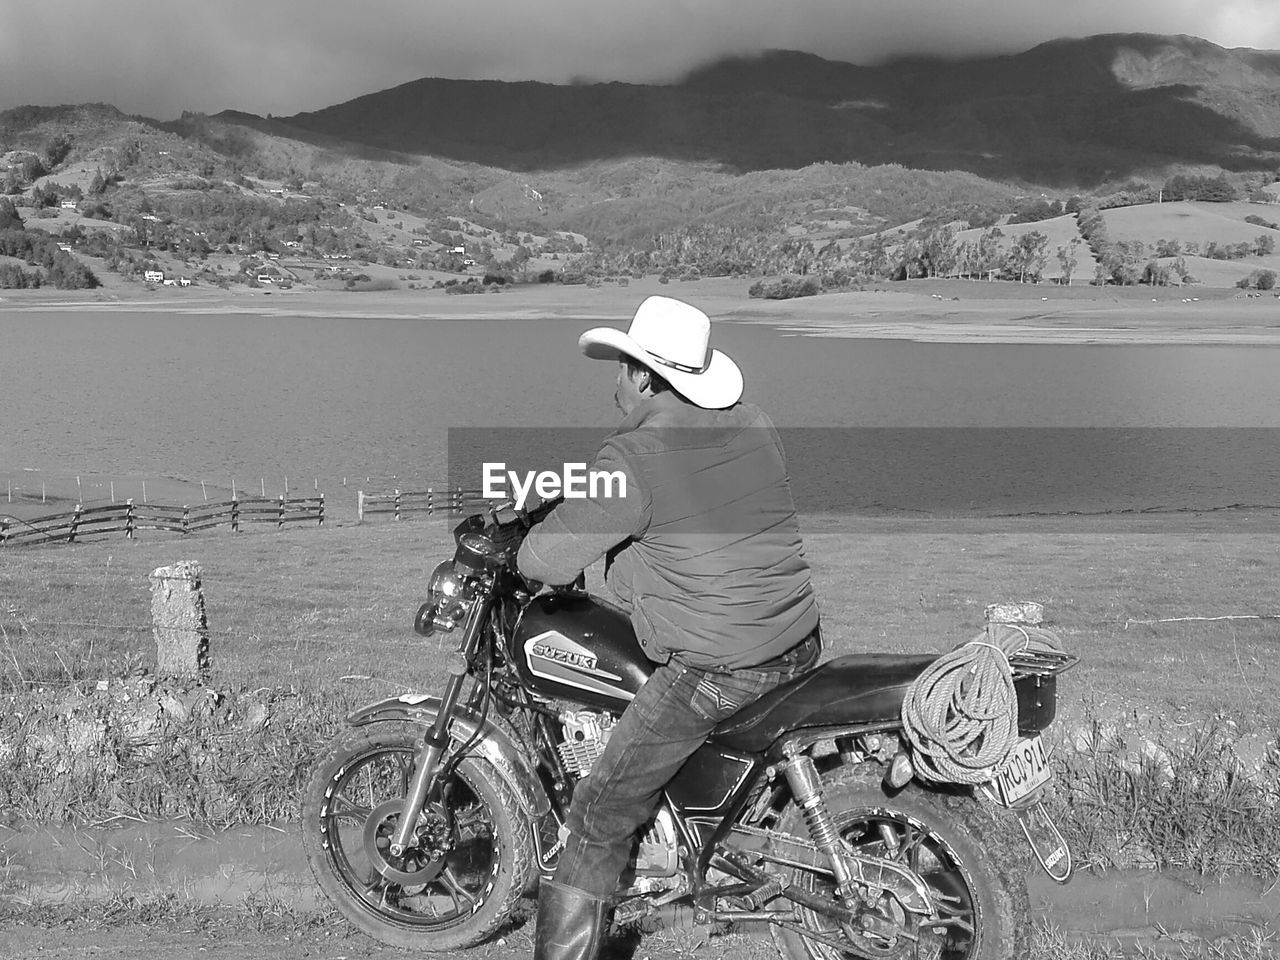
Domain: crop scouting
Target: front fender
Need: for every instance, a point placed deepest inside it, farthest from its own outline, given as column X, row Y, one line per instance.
column 494, row 744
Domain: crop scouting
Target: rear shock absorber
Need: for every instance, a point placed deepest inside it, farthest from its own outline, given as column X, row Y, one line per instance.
column 806, row 788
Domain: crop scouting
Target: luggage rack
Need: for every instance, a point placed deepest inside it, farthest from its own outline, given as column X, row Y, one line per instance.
column 1041, row 662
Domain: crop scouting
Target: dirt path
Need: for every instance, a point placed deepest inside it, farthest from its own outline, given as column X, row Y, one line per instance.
column 239, row 940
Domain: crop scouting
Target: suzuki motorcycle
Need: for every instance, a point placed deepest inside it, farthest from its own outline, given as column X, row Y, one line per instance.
column 432, row 816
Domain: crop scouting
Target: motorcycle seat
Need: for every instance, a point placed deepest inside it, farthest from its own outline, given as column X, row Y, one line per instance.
column 856, row 689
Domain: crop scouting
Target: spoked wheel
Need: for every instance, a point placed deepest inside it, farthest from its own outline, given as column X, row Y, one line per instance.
column 456, row 886
column 975, row 874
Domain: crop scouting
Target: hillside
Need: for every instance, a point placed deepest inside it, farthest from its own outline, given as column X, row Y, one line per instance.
column 1070, row 113
column 781, row 164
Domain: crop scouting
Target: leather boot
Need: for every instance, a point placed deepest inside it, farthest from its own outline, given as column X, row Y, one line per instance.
column 571, row 924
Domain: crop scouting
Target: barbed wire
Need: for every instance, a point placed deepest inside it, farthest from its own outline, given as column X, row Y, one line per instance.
column 28, row 625
column 1224, row 617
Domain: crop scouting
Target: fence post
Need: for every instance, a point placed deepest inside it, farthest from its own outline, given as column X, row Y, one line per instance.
column 280, row 521
column 179, row 626
column 4, row 532
column 75, row 522
column 1025, row 612
column 129, row 519
column 235, row 514
column 321, row 512
column 359, row 506
column 397, row 504
column 186, row 519
column 430, row 506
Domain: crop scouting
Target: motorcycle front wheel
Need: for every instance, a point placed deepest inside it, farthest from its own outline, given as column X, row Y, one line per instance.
column 459, row 884
column 973, row 863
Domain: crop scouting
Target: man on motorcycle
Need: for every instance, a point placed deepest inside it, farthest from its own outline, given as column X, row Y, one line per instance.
column 703, row 548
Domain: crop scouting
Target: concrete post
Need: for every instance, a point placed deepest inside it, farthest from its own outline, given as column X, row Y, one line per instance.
column 1027, row 613
column 178, row 622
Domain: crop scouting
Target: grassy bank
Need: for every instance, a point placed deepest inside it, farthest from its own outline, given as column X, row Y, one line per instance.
column 1167, row 719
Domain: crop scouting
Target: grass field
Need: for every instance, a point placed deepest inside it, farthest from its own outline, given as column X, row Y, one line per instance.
column 309, row 607
column 328, row 612
column 1190, row 221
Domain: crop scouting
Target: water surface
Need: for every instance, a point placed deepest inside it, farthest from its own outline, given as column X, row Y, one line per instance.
column 870, row 425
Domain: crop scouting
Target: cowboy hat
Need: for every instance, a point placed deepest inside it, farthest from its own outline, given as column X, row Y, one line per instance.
column 670, row 337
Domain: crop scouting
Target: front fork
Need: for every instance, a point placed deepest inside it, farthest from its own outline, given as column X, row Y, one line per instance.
column 436, row 740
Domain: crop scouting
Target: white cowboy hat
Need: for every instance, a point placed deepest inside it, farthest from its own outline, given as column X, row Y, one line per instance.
column 670, row 337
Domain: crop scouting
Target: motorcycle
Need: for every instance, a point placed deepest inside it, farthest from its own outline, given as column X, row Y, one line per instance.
column 432, row 816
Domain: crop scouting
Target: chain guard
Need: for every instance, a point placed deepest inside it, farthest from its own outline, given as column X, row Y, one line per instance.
column 875, row 873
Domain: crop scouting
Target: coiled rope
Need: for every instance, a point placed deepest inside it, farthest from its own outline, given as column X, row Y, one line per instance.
column 961, row 713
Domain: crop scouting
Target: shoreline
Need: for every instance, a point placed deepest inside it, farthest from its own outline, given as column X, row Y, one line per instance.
column 924, row 311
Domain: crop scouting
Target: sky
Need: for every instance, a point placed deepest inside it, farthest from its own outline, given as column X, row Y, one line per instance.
column 286, row 56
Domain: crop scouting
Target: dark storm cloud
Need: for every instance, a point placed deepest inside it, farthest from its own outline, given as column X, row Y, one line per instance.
column 270, row 56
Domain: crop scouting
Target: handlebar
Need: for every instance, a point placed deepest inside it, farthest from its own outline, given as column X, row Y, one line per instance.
column 507, row 533
column 505, row 530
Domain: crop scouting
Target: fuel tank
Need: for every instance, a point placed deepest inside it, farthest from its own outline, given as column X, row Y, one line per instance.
column 580, row 649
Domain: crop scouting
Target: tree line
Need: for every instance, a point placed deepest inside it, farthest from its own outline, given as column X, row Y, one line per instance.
column 58, row 268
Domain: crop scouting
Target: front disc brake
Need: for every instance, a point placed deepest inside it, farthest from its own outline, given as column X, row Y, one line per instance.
column 417, row 865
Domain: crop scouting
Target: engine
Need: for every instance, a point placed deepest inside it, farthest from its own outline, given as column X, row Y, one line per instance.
column 585, row 734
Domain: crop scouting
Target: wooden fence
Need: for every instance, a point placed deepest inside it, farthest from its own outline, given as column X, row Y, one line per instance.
column 130, row 517
column 403, row 504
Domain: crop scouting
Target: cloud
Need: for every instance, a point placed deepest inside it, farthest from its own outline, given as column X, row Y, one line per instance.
column 273, row 56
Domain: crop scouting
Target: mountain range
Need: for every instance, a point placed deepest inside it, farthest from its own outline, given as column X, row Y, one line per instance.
column 778, row 146
column 1065, row 113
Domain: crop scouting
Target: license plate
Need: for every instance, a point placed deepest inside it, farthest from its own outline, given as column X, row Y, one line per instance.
column 1026, row 769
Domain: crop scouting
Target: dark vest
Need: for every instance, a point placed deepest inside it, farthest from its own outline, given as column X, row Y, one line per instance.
column 718, row 578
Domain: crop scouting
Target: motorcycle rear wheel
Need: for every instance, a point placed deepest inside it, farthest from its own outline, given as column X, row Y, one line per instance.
column 458, row 887
column 955, row 844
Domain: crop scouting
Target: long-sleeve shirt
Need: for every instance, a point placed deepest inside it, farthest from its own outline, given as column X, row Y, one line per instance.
column 703, row 547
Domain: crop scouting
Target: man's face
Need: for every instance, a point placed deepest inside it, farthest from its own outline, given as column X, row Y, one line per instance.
column 628, row 393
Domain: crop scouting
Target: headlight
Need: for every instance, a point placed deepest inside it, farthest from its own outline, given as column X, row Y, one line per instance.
column 446, row 603
column 445, row 583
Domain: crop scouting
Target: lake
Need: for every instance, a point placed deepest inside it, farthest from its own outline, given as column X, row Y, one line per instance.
column 871, row 426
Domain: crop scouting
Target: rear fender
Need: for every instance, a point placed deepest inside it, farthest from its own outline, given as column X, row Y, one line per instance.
column 494, row 744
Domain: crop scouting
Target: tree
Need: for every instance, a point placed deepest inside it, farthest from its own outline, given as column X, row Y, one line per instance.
column 1033, row 211
column 32, row 168
column 1155, row 275
column 9, row 219
column 988, row 260
column 13, row 277
column 1069, row 259
column 1027, row 256
column 1125, row 261
column 56, row 150
column 1183, row 187
column 41, row 197
column 1259, row 279
column 68, row 273
column 940, row 250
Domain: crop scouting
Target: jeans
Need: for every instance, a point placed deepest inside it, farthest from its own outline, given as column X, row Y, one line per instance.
column 670, row 718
